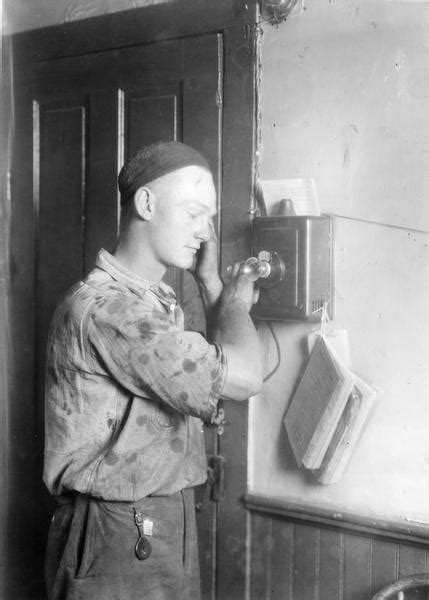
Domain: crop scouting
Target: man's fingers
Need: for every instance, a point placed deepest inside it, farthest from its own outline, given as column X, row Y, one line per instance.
column 232, row 270
column 212, row 231
column 236, row 269
column 256, row 292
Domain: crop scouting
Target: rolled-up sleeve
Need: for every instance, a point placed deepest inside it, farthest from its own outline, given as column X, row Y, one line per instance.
column 137, row 344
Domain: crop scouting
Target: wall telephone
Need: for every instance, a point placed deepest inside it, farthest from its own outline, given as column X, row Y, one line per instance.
column 292, row 263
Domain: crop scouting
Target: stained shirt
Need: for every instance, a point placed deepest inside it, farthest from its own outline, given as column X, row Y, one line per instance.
column 126, row 389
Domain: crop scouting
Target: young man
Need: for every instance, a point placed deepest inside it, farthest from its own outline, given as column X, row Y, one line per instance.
column 127, row 388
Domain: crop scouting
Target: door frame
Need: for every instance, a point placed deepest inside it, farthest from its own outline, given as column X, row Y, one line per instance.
column 237, row 21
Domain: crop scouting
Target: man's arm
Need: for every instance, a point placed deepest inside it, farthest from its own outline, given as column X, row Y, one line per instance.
column 234, row 330
column 228, row 322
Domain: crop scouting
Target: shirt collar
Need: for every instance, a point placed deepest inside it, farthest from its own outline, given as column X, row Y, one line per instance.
column 107, row 262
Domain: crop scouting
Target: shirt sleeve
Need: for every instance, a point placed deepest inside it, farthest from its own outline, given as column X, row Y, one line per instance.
column 137, row 344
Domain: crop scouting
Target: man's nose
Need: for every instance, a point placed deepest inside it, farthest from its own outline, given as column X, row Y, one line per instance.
column 203, row 231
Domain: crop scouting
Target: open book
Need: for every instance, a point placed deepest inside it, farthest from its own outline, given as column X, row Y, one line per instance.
column 327, row 413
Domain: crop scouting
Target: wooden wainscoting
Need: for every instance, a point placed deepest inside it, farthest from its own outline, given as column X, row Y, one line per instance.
column 294, row 558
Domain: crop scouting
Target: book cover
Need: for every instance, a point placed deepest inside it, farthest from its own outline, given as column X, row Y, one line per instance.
column 317, row 405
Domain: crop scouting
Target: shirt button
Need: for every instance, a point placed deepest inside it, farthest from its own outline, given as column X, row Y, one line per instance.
column 172, row 307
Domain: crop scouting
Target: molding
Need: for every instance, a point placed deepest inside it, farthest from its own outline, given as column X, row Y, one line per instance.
column 412, row 533
column 154, row 23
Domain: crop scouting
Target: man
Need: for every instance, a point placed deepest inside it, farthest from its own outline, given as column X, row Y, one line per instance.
column 127, row 388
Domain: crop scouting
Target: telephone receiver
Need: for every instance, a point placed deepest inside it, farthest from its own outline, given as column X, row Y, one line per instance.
column 268, row 269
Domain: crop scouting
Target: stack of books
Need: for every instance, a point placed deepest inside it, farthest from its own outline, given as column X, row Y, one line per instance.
column 327, row 414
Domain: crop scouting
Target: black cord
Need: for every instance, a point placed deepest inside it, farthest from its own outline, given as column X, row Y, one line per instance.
column 279, row 354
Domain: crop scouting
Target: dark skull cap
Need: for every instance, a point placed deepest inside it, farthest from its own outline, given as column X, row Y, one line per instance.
column 153, row 161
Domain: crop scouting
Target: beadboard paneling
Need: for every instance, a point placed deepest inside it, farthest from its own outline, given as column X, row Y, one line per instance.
column 292, row 560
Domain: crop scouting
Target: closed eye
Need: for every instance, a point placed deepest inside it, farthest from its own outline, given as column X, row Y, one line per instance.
column 195, row 213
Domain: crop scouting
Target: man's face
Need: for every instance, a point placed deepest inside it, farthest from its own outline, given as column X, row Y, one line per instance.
column 184, row 204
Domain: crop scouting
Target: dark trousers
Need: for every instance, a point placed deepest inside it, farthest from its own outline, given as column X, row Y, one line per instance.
column 91, row 550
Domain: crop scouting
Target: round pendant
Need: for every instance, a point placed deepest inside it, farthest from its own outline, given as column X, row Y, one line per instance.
column 143, row 548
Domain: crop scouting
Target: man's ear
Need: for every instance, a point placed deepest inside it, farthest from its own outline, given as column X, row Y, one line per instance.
column 143, row 201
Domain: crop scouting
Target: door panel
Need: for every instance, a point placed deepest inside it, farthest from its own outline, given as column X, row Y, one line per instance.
column 104, row 127
column 61, row 202
column 59, row 140
column 152, row 115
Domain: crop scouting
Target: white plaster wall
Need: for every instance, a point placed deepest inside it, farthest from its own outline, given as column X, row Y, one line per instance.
column 21, row 15
column 348, row 81
column 345, row 99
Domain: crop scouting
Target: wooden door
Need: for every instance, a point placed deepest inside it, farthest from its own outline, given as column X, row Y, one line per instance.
column 78, row 116
column 87, row 115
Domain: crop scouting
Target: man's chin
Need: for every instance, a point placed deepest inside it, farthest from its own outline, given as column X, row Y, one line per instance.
column 184, row 263
column 190, row 264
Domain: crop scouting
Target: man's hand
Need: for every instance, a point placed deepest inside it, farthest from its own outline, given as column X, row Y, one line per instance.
column 240, row 288
column 206, row 271
column 206, row 264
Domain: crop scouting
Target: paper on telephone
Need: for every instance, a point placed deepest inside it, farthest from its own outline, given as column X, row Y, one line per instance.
column 300, row 192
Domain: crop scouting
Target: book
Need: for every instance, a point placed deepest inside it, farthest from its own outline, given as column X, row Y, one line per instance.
column 317, row 404
column 347, row 433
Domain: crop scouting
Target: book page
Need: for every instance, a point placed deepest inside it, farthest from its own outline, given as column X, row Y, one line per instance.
column 328, row 472
column 348, row 432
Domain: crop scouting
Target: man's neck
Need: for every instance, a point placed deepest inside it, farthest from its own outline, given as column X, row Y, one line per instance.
column 139, row 261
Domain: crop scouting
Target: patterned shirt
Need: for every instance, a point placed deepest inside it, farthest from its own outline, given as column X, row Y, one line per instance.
column 126, row 389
